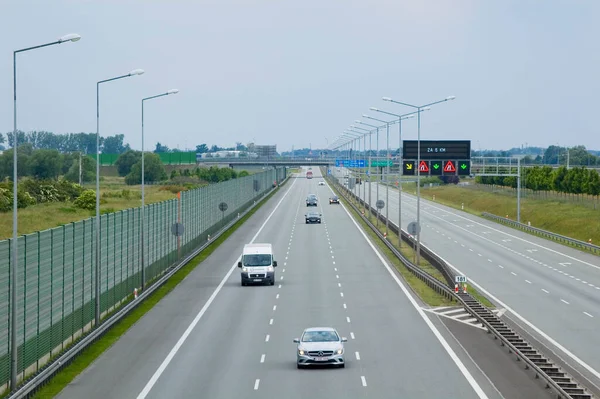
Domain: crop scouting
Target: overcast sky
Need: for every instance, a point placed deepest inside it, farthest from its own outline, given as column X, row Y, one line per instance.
column 298, row 72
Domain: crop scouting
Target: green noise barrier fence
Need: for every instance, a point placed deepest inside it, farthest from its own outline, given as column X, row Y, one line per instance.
column 56, row 285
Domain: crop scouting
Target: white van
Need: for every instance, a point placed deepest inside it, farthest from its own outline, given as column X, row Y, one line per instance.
column 257, row 264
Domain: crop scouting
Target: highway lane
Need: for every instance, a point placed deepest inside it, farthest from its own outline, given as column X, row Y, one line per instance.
column 554, row 288
column 238, row 341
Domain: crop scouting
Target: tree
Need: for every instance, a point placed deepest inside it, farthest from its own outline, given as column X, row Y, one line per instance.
column 46, row 164
column 126, row 161
column 154, row 170
column 114, row 145
column 161, row 148
column 24, row 152
column 201, row 149
column 88, row 170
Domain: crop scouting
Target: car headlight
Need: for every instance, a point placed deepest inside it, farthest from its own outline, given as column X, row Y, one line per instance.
column 301, row 352
column 340, row 351
column 245, row 269
column 270, row 268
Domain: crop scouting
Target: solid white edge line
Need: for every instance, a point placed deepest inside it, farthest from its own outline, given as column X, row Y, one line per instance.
column 466, row 373
column 529, row 324
column 188, row 331
column 516, row 237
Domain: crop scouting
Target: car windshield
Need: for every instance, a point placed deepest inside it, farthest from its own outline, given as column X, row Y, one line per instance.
column 313, row 215
column 312, row 196
column 320, row 336
column 334, row 197
column 257, row 260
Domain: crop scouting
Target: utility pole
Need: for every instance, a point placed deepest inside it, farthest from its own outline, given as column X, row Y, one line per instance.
column 80, row 168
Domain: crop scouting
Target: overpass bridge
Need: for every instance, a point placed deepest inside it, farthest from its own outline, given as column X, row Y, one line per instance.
column 279, row 161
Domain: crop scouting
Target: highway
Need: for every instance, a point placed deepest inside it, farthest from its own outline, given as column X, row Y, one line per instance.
column 550, row 290
column 213, row 338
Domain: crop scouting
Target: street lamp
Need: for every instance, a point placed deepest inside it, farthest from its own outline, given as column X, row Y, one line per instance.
column 400, row 119
column 97, row 267
column 419, row 108
column 71, row 37
column 364, row 137
column 172, row 91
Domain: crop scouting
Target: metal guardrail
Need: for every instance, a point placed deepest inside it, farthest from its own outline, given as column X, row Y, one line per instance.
column 544, row 233
column 36, row 381
column 556, row 379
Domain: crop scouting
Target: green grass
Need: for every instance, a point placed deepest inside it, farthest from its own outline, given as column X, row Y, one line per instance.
column 427, row 295
column 568, row 219
column 90, row 354
column 48, row 215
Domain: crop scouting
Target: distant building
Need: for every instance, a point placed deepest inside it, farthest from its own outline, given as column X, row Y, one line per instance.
column 266, row 150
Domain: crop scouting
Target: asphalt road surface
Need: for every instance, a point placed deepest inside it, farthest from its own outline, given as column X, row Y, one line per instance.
column 213, row 338
column 549, row 289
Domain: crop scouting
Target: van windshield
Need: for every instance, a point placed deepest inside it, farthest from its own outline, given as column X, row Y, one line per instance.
column 257, row 260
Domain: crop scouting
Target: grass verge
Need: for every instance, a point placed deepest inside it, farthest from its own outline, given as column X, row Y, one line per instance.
column 426, row 294
column 66, row 375
column 567, row 219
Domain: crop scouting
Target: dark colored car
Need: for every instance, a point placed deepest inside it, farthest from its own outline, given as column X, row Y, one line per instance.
column 334, row 200
column 311, row 200
column 313, row 217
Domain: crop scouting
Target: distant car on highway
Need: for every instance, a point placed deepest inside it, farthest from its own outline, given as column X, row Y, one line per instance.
column 311, row 200
column 334, row 200
column 313, row 217
column 320, row 346
column 257, row 264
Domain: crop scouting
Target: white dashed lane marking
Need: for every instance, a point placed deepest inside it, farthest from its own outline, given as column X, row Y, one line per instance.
column 262, row 358
column 562, row 300
column 587, row 314
column 256, row 384
column 267, row 338
column 547, row 292
column 363, row 380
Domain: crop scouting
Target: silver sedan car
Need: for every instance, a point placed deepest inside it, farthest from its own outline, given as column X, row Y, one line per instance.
column 320, row 346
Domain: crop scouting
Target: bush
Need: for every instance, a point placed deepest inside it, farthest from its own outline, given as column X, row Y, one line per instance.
column 243, row 173
column 173, row 188
column 126, row 161
column 6, row 199
column 87, row 200
column 154, row 170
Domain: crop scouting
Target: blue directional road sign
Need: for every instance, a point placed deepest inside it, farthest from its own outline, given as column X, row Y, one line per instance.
column 351, row 163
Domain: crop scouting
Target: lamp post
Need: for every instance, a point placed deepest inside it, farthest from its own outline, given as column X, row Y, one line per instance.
column 364, row 137
column 419, row 108
column 355, row 137
column 97, row 255
column 400, row 119
column 172, row 91
column 72, row 37
column 376, row 157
